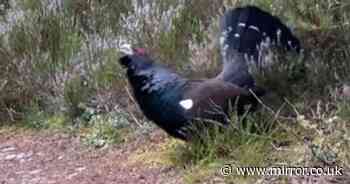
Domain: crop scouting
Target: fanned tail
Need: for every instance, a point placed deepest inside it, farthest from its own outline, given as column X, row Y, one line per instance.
column 242, row 32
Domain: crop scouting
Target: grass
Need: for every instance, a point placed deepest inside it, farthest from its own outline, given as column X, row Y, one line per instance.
column 60, row 71
column 242, row 147
column 41, row 120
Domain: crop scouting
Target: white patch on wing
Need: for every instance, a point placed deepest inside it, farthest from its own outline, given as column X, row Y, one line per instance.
column 237, row 35
column 186, row 104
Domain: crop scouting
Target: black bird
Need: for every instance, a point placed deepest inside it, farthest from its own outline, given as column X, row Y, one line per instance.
column 243, row 30
column 174, row 102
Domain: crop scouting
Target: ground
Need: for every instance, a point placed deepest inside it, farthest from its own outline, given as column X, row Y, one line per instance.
column 47, row 158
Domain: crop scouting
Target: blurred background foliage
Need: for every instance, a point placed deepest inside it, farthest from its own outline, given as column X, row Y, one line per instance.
column 57, row 55
column 59, row 67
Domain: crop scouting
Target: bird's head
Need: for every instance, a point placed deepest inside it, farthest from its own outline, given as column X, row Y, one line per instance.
column 127, row 49
column 136, row 61
column 134, row 58
column 143, row 72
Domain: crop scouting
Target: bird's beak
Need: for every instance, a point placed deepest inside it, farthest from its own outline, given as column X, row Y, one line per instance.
column 126, row 49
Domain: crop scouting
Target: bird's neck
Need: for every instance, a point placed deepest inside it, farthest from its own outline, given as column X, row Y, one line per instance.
column 156, row 82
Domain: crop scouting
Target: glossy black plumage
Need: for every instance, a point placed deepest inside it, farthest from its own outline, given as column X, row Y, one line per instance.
column 174, row 102
column 160, row 91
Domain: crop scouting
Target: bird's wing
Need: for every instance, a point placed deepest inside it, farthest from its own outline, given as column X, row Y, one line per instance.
column 211, row 92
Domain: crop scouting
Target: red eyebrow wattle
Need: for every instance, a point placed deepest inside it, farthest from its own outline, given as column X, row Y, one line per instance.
column 140, row 51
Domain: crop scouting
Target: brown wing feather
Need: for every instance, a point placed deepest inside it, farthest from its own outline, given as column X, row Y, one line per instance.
column 211, row 98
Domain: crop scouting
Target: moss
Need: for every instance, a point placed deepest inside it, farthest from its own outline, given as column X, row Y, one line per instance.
column 38, row 119
column 102, row 134
column 161, row 155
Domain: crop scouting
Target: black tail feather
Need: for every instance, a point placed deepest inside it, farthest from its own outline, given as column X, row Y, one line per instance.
column 242, row 32
column 247, row 27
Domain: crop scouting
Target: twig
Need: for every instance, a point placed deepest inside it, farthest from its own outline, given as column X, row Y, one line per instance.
column 10, row 113
column 269, row 108
column 2, row 86
column 277, row 116
column 133, row 101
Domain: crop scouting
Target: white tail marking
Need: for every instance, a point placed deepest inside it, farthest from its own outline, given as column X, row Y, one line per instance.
column 241, row 24
column 254, row 28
